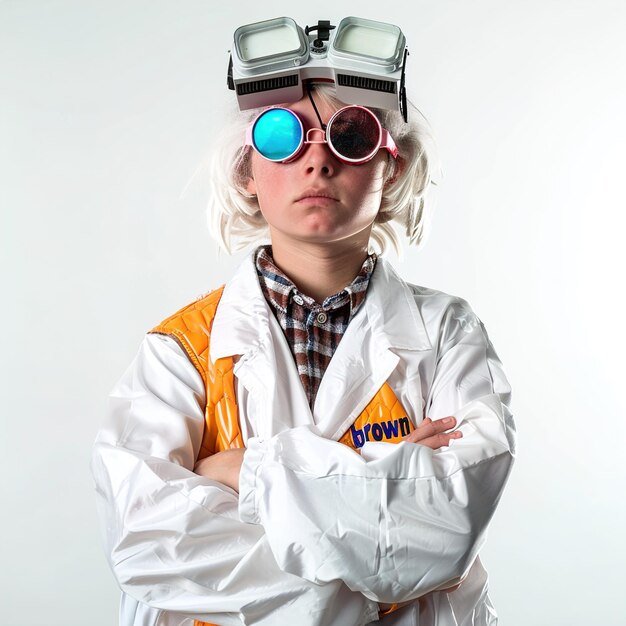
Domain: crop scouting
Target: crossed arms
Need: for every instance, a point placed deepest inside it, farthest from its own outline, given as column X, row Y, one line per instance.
column 316, row 525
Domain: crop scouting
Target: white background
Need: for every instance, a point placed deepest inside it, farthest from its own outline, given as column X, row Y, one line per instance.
column 106, row 112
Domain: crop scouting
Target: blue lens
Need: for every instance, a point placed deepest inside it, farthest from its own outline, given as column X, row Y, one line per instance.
column 277, row 134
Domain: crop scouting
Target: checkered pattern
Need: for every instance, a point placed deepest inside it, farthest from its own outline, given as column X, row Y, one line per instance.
column 313, row 330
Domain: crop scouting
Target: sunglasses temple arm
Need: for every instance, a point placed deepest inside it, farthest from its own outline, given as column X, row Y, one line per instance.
column 388, row 143
column 248, row 141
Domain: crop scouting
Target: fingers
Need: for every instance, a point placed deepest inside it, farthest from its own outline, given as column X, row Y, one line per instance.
column 428, row 428
column 439, row 441
column 433, row 434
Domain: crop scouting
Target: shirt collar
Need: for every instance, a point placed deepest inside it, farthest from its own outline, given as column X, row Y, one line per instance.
column 279, row 290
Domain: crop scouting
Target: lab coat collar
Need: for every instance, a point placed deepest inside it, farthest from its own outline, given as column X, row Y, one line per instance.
column 391, row 309
column 242, row 321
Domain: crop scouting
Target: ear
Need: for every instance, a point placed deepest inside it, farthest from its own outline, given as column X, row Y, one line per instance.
column 251, row 186
column 399, row 168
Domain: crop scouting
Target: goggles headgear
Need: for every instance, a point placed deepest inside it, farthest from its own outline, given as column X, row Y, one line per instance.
column 365, row 60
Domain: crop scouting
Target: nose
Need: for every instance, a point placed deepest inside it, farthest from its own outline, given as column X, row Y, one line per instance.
column 317, row 157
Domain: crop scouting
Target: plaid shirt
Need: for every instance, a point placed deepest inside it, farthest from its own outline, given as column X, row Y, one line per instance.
column 313, row 330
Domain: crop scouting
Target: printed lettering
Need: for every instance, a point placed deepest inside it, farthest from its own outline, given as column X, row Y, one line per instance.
column 390, row 429
column 366, row 430
column 380, row 431
column 405, row 428
column 357, row 437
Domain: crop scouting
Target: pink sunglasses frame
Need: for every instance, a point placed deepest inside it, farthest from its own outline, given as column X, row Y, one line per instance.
column 385, row 140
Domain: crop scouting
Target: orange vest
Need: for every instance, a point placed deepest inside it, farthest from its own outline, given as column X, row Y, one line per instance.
column 383, row 419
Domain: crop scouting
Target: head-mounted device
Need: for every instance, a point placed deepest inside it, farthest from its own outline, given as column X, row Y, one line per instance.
column 364, row 60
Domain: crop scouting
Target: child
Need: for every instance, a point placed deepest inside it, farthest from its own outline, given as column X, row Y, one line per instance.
column 317, row 442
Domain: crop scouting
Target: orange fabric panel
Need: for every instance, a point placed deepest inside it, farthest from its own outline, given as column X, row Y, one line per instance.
column 383, row 419
column 221, row 428
column 192, row 326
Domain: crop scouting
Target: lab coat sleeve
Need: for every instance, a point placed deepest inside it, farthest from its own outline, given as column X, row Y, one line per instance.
column 173, row 538
column 397, row 521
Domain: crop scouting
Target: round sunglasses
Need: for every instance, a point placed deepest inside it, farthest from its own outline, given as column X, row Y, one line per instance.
column 353, row 134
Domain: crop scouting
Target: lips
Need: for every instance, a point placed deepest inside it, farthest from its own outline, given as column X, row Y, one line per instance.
column 317, row 193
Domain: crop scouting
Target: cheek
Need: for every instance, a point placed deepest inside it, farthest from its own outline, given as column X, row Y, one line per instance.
column 370, row 181
column 374, row 170
column 268, row 179
column 371, row 191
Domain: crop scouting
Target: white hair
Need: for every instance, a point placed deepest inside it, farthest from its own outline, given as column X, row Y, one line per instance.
column 234, row 216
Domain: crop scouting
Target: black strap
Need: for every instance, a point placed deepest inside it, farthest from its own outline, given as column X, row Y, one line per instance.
column 319, row 117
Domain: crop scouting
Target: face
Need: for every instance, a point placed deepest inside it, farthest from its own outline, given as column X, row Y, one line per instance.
column 317, row 198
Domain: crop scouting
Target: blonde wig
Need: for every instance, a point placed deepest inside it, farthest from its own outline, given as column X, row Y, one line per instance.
column 234, row 217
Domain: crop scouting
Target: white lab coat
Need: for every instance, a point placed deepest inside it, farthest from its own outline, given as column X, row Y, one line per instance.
column 319, row 533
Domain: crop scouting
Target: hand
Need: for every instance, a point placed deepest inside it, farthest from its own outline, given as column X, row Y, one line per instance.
column 432, row 434
column 223, row 467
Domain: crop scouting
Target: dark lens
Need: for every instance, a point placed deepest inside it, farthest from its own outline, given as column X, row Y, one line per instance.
column 277, row 134
column 354, row 133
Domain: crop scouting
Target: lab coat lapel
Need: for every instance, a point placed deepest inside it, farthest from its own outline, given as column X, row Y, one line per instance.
column 271, row 375
column 388, row 321
column 244, row 325
column 359, row 367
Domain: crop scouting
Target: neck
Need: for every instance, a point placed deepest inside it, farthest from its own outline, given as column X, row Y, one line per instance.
column 319, row 270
